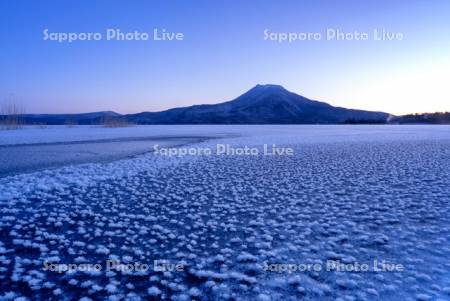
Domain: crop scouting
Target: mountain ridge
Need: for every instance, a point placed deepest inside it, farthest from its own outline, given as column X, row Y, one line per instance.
column 262, row 104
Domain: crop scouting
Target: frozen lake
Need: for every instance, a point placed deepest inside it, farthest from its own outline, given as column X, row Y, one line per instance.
column 33, row 149
column 237, row 227
column 21, row 158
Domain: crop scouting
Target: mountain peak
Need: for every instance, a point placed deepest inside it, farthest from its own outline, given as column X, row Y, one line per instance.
column 266, row 89
column 269, row 87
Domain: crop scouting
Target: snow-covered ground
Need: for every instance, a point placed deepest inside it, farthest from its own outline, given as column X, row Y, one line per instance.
column 230, row 227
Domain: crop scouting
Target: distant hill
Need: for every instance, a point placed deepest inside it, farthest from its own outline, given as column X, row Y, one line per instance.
column 424, row 118
column 56, row 119
column 263, row 104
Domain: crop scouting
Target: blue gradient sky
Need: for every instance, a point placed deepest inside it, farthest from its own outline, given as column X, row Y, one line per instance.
column 223, row 54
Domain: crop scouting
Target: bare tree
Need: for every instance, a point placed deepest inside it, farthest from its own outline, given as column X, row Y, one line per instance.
column 11, row 115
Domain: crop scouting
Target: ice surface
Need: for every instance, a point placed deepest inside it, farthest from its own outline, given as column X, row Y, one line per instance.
column 319, row 133
column 21, row 158
column 348, row 194
column 52, row 134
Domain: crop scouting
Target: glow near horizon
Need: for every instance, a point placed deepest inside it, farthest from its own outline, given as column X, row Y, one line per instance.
column 220, row 61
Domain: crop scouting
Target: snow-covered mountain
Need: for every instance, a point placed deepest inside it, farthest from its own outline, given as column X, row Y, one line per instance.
column 263, row 104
